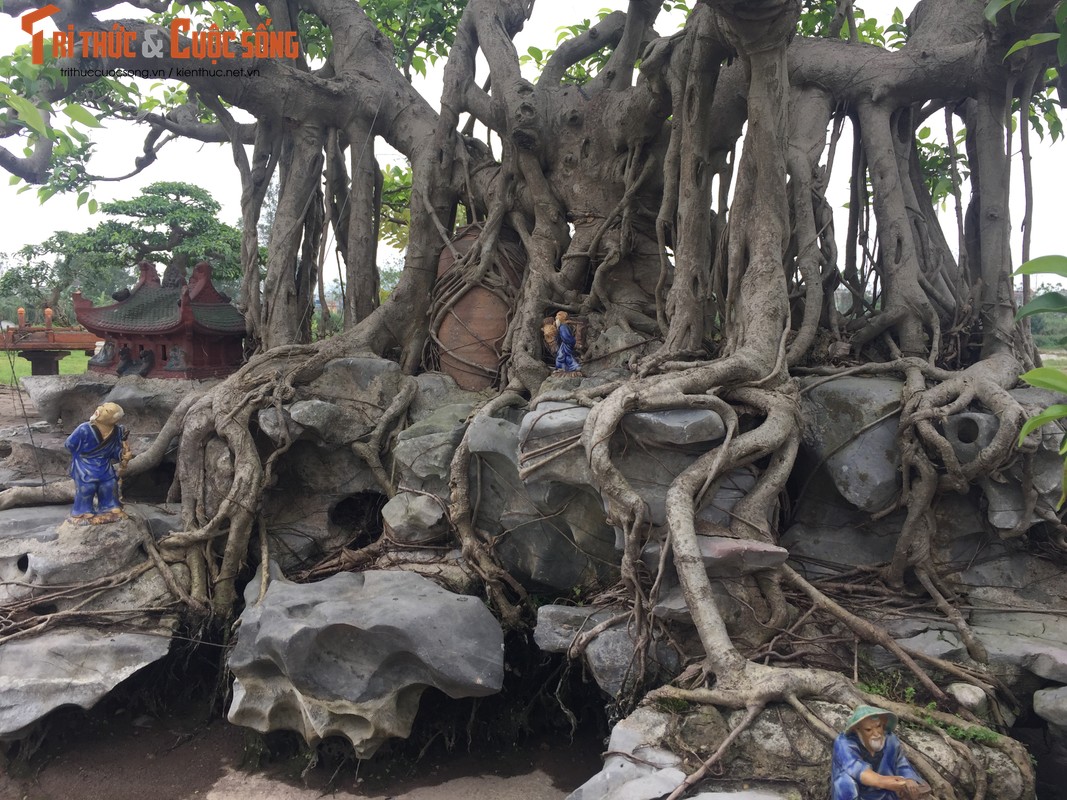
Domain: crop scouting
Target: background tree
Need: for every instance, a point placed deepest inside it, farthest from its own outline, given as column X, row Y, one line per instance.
column 672, row 191
column 174, row 225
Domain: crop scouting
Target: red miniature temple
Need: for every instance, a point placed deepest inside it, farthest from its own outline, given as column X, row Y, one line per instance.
column 185, row 330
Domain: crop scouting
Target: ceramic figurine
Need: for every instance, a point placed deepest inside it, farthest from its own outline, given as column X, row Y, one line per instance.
column 566, row 343
column 869, row 761
column 95, row 446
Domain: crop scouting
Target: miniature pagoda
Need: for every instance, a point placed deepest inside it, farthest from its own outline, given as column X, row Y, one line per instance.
column 169, row 329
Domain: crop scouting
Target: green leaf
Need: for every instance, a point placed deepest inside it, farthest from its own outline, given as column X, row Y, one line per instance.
column 1061, row 47
column 1050, row 414
column 898, row 16
column 1046, row 378
column 81, row 114
column 1036, row 39
column 924, row 133
column 82, row 197
column 995, row 7
column 537, row 54
column 28, row 113
column 1050, row 303
column 92, row 206
column 13, row 180
column 1053, row 265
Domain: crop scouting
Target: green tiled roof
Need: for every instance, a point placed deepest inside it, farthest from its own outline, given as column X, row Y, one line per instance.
column 157, row 309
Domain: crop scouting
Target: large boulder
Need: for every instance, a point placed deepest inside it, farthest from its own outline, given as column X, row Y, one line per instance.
column 351, row 655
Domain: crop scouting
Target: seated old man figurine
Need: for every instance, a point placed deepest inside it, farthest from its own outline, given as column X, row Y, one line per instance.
column 869, row 761
column 95, row 446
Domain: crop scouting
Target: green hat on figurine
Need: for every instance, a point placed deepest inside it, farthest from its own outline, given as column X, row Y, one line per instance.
column 863, row 712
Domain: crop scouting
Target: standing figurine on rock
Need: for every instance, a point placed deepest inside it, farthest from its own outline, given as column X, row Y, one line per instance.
column 869, row 761
column 566, row 342
column 95, row 446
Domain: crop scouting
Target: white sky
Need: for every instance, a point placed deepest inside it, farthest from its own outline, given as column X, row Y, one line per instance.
column 211, row 166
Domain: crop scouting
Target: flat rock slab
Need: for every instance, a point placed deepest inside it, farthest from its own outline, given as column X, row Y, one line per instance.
column 67, row 667
column 678, row 426
column 351, row 655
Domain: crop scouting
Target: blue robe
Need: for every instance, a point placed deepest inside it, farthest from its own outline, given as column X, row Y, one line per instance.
column 849, row 762
column 92, row 467
column 565, row 359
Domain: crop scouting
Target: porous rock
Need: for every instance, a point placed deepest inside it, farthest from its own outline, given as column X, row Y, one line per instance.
column 352, row 654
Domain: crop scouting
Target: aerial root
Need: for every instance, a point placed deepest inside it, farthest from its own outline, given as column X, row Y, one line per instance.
column 476, row 552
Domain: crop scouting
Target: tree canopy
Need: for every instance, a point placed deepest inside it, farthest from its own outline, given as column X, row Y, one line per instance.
column 172, row 224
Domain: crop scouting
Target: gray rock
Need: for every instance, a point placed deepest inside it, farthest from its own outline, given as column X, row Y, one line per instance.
column 1042, row 657
column 370, row 380
column 278, row 425
column 675, row 426
column 324, row 419
column 38, row 549
column 423, row 452
column 436, row 389
column 495, row 435
column 415, row 519
column 147, row 402
column 351, row 655
column 968, row 432
column 651, row 772
column 943, row 644
column 843, row 546
column 726, row 557
column 552, row 426
column 732, row 488
column 67, row 667
column 1051, row 705
column 970, row 697
column 609, row 656
column 850, row 425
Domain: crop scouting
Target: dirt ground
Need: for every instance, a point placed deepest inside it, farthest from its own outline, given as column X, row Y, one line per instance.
column 108, row 756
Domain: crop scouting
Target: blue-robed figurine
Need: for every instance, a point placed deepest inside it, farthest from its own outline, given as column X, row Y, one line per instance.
column 95, row 446
column 869, row 761
column 566, row 343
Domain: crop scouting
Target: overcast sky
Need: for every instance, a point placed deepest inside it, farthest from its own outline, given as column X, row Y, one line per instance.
column 211, row 166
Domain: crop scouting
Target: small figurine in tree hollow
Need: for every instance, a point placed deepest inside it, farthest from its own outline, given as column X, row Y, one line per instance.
column 95, row 446
column 566, row 342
